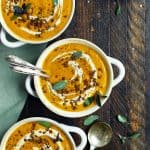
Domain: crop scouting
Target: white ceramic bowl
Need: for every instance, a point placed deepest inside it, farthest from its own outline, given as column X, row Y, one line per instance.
column 22, row 41
column 108, row 60
column 67, row 130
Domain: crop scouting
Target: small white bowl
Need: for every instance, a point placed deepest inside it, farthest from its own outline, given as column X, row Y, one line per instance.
column 22, row 41
column 108, row 60
column 67, row 130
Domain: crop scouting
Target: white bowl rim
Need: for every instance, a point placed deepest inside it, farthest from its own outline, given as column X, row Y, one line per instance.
column 19, row 38
column 41, row 94
column 32, row 119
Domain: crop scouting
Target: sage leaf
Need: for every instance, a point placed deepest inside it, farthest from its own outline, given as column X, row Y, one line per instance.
column 135, row 135
column 55, row 2
column 14, row 17
column 118, row 8
column 18, row 10
column 26, row 7
column 88, row 101
column 121, row 118
column 98, row 100
column 60, row 85
column 89, row 120
column 44, row 124
column 76, row 55
column 98, row 97
column 122, row 138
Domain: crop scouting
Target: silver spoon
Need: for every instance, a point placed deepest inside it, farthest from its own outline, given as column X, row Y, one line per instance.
column 99, row 135
column 21, row 66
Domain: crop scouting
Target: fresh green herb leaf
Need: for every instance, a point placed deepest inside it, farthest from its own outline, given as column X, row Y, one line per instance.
column 135, row 135
column 122, row 138
column 98, row 97
column 26, row 7
column 88, row 101
column 55, row 2
column 121, row 118
column 89, row 120
column 60, row 85
column 14, row 17
column 118, row 10
column 76, row 55
column 18, row 10
column 44, row 124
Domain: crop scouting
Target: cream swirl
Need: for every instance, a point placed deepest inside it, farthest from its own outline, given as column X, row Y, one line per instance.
column 78, row 73
column 39, row 133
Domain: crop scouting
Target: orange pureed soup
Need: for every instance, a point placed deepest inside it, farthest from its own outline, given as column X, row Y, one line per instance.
column 77, row 75
column 38, row 135
column 36, row 19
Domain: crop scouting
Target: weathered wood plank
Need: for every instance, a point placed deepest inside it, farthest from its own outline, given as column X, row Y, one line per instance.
column 147, row 69
column 122, row 37
column 136, row 70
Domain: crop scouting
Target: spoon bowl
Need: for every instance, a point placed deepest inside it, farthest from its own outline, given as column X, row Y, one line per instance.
column 99, row 135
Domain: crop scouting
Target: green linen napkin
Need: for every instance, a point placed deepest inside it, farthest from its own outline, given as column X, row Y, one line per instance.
column 12, row 89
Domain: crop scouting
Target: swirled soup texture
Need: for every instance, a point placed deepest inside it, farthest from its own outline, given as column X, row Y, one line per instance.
column 35, row 136
column 36, row 19
column 82, row 69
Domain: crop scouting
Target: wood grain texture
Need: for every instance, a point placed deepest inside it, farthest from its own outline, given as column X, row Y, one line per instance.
column 122, row 37
column 147, row 69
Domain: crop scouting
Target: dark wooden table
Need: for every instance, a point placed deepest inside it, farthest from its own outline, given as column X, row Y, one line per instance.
column 125, row 37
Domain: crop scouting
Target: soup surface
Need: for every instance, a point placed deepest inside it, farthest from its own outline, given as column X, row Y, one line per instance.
column 77, row 74
column 38, row 136
column 36, row 19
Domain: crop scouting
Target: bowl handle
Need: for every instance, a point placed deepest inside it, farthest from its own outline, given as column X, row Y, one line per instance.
column 78, row 131
column 7, row 43
column 121, row 68
column 29, row 88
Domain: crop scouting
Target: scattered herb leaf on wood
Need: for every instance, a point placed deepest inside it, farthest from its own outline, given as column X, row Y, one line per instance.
column 89, row 120
column 118, row 8
column 135, row 135
column 122, row 119
column 122, row 138
column 60, row 85
column 44, row 124
column 76, row 55
column 88, row 101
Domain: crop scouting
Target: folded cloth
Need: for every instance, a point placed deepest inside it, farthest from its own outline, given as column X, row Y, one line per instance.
column 12, row 89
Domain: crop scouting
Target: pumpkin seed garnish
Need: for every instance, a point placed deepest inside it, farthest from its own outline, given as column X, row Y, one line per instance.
column 88, row 101
column 122, row 119
column 135, row 135
column 76, row 55
column 89, row 120
column 44, row 124
column 60, row 85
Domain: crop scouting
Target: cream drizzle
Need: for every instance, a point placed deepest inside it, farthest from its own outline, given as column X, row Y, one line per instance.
column 78, row 72
column 39, row 133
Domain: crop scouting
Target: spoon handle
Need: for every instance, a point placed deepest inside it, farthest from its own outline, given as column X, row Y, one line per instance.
column 92, row 147
column 16, row 61
column 28, row 71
